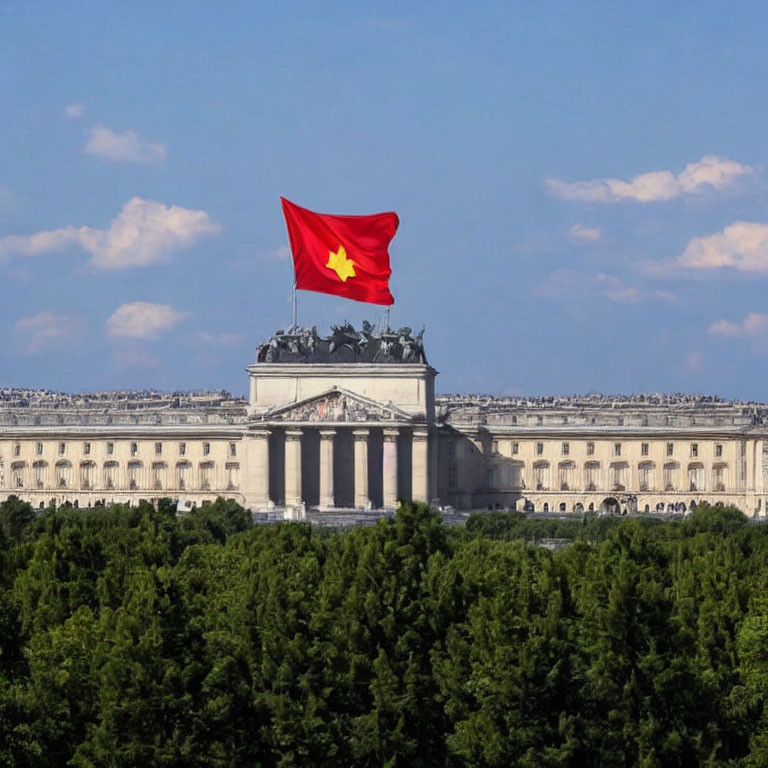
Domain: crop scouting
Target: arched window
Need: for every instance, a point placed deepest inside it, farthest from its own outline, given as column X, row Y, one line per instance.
column 183, row 475
column 87, row 475
column 159, row 472
column 18, row 474
column 591, row 475
column 134, row 475
column 619, row 476
column 63, row 474
column 40, row 474
column 566, row 475
column 719, row 472
column 646, row 476
column 541, row 475
column 696, row 476
column 110, row 475
column 671, row 476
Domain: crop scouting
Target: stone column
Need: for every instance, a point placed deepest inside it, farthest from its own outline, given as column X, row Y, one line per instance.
column 361, row 467
column 326, row 468
column 389, row 468
column 420, row 466
column 293, row 467
column 256, row 479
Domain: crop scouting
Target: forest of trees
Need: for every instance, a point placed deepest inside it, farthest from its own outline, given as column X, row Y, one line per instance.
column 130, row 637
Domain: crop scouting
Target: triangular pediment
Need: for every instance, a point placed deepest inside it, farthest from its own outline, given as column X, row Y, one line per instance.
column 337, row 405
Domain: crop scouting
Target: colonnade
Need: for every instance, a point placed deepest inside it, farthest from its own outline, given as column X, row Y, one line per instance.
column 258, row 465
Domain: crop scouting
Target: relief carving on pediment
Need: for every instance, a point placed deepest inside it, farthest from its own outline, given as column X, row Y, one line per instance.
column 335, row 407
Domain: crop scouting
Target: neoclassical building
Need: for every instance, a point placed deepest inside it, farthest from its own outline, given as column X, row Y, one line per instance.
column 351, row 420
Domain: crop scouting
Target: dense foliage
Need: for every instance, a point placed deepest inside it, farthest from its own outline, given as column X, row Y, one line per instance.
column 129, row 637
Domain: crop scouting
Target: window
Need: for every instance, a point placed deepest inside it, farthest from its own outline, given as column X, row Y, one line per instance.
column 134, row 475
column 494, row 446
column 206, row 449
column 158, row 475
column 643, row 449
column 62, row 448
column 539, row 449
column 183, row 471
column 86, row 448
column 718, row 449
column 39, row 449
column 182, row 449
column 39, row 469
column 591, row 476
column 110, row 448
column 17, row 449
column 590, row 449
column 539, row 420
column 110, row 475
column 206, row 475
column 233, row 449
column 233, row 475
column 670, row 449
column 158, row 449
column 694, row 450
column 646, row 476
column 515, row 449
column 566, row 475
column 718, row 477
column 565, row 449
column 134, row 449
column 453, row 477
column 617, row 449
column 541, row 476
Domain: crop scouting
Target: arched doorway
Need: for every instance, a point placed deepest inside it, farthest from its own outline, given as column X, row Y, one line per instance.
column 610, row 506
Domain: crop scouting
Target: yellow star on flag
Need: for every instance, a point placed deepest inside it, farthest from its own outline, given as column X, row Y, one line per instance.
column 340, row 264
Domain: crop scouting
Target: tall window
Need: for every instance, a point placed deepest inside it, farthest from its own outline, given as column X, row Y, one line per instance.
column 86, row 448
column 646, row 476
column 539, row 449
column 134, row 449
column 206, row 475
column 670, row 449
column 643, row 449
column 694, row 450
column 39, row 449
column 17, row 449
column 718, row 449
column 718, row 477
column 158, row 449
column 541, row 476
column 515, row 449
column 565, row 449
column 182, row 449
column 233, row 450
column 233, row 475
column 592, row 476
column 206, row 449
column 62, row 448
column 671, row 470
column 110, row 448
column 590, row 449
column 617, row 449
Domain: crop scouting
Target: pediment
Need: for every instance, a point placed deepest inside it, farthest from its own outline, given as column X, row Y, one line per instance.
column 337, row 405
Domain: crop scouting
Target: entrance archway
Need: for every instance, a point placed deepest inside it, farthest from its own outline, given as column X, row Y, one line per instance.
column 610, row 506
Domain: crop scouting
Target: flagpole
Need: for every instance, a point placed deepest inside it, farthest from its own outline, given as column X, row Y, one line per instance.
column 295, row 322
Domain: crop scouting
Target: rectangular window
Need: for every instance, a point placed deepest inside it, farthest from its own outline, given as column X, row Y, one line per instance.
column 718, row 450
column 453, row 477
column 233, row 449
column 694, row 450
column 62, row 447
column 110, row 448
column 86, row 448
column 670, row 449
column 643, row 449
column 515, row 449
column 565, row 449
column 182, row 449
column 206, row 449
column 134, row 449
column 17, row 449
column 158, row 449
column 494, row 446
column 539, row 449
column 39, row 449
column 539, row 420
column 590, row 449
column 617, row 449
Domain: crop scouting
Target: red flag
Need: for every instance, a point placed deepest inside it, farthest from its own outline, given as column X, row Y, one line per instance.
column 343, row 255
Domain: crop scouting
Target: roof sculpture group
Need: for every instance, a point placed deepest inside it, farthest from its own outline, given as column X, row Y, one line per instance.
column 345, row 344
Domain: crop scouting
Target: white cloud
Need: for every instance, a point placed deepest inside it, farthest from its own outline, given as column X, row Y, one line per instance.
column 586, row 234
column 566, row 282
column 754, row 325
column 46, row 328
column 218, row 339
column 742, row 245
column 709, row 173
column 74, row 111
column 143, row 233
column 281, row 253
column 127, row 147
column 142, row 320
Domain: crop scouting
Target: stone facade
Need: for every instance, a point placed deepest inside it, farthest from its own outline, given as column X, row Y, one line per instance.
column 356, row 433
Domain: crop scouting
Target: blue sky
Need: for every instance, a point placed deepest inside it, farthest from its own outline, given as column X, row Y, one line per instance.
column 581, row 187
